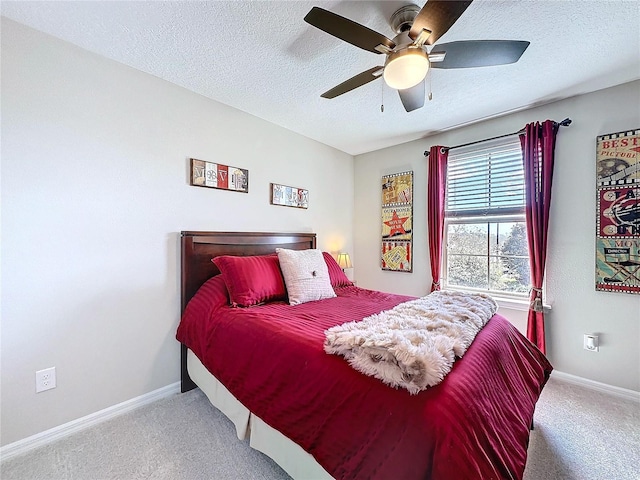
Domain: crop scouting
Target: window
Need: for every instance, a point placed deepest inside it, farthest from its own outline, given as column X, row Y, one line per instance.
column 485, row 232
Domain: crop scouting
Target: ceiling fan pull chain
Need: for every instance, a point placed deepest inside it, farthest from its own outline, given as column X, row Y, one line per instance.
column 430, row 93
column 381, row 97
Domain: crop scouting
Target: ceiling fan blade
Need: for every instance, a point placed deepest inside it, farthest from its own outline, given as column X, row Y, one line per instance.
column 347, row 30
column 412, row 98
column 354, row 82
column 479, row 53
column 437, row 16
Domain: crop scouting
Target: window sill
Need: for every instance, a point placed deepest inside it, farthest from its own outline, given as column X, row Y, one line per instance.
column 512, row 303
column 518, row 304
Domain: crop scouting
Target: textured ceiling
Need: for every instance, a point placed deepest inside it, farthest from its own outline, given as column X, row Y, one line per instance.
column 262, row 58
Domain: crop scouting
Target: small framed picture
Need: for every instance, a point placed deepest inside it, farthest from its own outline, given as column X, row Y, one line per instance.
column 289, row 196
column 215, row 175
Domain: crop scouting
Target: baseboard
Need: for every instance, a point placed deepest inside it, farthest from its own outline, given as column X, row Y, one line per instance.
column 48, row 436
column 600, row 387
column 23, row 446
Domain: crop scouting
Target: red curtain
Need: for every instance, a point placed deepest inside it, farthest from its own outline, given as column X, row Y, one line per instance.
column 538, row 144
column 436, row 186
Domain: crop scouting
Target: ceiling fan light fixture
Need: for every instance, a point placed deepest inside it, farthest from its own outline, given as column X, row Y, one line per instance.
column 406, row 68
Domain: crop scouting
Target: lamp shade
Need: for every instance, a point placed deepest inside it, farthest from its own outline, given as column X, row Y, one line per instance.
column 406, row 68
column 344, row 261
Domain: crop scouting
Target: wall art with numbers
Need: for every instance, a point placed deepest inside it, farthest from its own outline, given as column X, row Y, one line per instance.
column 618, row 212
column 289, row 196
column 216, row 175
column 397, row 218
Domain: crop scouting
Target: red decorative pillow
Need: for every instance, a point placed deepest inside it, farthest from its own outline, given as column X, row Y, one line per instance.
column 336, row 274
column 252, row 280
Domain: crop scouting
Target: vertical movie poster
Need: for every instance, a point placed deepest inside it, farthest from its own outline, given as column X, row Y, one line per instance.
column 397, row 218
column 618, row 212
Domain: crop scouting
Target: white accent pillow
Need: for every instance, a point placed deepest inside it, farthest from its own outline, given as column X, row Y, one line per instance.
column 305, row 274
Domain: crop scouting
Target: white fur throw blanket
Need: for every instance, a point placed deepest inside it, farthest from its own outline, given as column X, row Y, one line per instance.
column 414, row 344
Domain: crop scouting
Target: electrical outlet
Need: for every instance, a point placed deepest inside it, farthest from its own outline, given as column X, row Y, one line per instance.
column 591, row 343
column 45, row 379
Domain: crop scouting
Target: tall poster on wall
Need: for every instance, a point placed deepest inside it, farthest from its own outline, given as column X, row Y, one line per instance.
column 397, row 218
column 618, row 212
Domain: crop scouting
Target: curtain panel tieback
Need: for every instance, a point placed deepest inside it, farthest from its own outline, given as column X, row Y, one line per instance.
column 536, row 302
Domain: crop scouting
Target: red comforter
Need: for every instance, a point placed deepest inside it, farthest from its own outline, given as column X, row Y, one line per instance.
column 473, row 425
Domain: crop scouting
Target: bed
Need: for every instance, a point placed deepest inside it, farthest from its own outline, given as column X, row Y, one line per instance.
column 319, row 418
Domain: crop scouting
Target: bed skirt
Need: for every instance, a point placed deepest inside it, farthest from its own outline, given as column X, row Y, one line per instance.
column 286, row 453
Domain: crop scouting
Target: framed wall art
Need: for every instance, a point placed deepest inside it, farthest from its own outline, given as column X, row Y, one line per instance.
column 216, row 175
column 618, row 212
column 289, row 196
column 397, row 218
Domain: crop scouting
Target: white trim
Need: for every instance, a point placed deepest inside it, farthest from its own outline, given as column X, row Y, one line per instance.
column 61, row 431
column 512, row 303
column 516, row 304
column 619, row 392
column 48, row 436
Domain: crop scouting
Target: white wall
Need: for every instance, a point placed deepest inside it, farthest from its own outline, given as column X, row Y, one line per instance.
column 94, row 194
column 577, row 307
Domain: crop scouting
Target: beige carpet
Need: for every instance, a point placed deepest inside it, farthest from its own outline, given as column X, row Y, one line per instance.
column 584, row 435
column 579, row 434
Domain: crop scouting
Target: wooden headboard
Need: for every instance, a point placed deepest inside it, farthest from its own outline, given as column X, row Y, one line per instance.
column 198, row 248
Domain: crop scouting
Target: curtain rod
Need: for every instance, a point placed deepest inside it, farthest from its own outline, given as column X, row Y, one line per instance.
column 564, row 123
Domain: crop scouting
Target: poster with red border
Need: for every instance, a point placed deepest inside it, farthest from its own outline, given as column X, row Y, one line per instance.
column 397, row 222
column 618, row 212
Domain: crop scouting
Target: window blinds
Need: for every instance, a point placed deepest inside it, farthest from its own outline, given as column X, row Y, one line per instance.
column 485, row 179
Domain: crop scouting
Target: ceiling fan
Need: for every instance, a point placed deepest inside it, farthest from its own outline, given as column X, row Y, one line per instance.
column 407, row 57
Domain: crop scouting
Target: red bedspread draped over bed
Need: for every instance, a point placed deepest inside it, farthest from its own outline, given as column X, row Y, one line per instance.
column 473, row 425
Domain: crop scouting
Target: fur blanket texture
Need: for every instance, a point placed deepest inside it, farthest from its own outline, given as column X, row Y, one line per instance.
column 414, row 344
